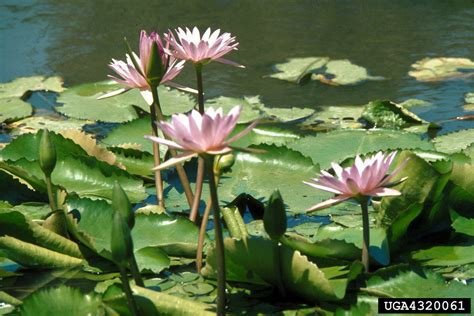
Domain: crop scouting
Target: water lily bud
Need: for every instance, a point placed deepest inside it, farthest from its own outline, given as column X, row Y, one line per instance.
column 224, row 163
column 156, row 69
column 47, row 154
column 274, row 218
column 121, row 204
column 121, row 242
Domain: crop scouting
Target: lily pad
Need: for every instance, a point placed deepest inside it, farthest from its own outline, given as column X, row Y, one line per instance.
column 281, row 168
column 454, row 142
column 152, row 259
column 12, row 109
column 287, row 114
column 332, row 72
column 445, row 255
column 81, row 102
column 20, row 86
column 387, row 114
column 53, row 123
column 442, row 68
column 337, row 146
column 62, row 300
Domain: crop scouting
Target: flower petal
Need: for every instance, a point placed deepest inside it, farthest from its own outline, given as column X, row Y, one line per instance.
column 175, row 160
column 335, row 200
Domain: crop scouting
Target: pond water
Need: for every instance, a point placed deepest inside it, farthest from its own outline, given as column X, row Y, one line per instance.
column 76, row 39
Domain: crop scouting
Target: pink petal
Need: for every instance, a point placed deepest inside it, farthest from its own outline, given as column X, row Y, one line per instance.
column 322, row 187
column 337, row 199
column 383, row 192
column 242, row 133
column 163, row 141
column 229, row 62
column 175, row 160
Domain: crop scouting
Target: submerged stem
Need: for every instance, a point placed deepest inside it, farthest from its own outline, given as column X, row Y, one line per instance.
column 366, row 232
column 202, row 235
column 219, row 239
column 198, row 191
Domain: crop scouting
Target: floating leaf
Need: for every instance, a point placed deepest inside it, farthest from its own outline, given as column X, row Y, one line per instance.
column 152, row 259
column 343, row 72
column 279, row 168
column 445, row 255
column 12, row 109
column 463, row 225
column 19, row 86
column 52, row 123
column 287, row 114
column 134, row 161
column 442, row 68
column 469, row 97
column 61, row 300
column 337, row 146
column 454, row 142
column 333, row 72
column 265, row 134
column 387, row 114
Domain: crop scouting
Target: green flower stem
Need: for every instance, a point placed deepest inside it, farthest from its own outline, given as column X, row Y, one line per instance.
column 128, row 292
column 364, row 201
column 219, row 239
column 49, row 188
column 156, row 149
column 135, row 271
column 202, row 234
column 198, row 68
column 157, row 114
column 277, row 263
column 198, row 191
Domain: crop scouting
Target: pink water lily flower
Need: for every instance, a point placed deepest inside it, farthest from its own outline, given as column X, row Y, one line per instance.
column 197, row 134
column 365, row 178
column 131, row 77
column 211, row 46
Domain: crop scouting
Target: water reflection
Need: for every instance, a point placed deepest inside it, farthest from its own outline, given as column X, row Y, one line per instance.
column 76, row 40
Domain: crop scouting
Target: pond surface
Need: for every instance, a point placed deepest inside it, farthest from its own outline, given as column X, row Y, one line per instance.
column 76, row 39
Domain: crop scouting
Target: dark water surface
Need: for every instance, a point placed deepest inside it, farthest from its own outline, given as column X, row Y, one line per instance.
column 77, row 38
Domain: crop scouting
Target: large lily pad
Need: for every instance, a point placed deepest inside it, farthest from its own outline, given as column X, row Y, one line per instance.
column 454, row 142
column 53, row 123
column 279, row 168
column 442, row 68
column 12, row 109
column 387, row 114
column 333, row 72
column 81, row 102
column 445, row 255
column 336, row 146
column 20, row 86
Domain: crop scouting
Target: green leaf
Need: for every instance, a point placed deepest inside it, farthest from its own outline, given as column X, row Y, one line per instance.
column 152, row 259
column 31, row 210
column 279, row 168
column 469, row 97
column 333, row 72
column 81, row 102
column 337, row 146
column 442, row 68
column 387, row 114
column 445, row 255
column 20, row 86
column 131, row 135
column 176, row 236
column 250, row 106
column 463, row 225
column 60, row 301
column 30, row 255
column 53, row 123
column 173, row 305
column 298, row 69
column 12, row 109
column 265, row 134
column 454, row 142
column 136, row 162
column 300, row 277
column 405, row 282
column 287, row 114
column 15, row 224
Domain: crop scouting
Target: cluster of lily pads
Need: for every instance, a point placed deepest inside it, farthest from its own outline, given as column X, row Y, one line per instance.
column 421, row 239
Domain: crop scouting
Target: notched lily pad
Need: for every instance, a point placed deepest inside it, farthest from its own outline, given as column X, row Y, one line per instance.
column 387, row 114
column 53, row 123
column 20, row 86
column 12, row 109
column 442, row 68
column 454, row 142
column 332, row 72
column 250, row 106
